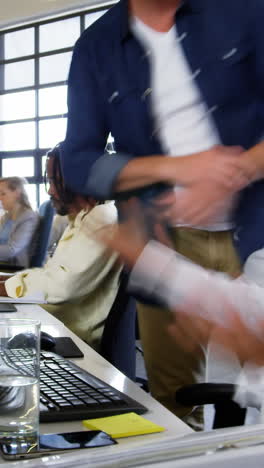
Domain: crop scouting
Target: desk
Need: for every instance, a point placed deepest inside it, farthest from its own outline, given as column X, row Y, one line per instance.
column 98, row 366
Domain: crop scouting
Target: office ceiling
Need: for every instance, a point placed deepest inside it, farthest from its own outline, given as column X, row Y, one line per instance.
column 19, row 11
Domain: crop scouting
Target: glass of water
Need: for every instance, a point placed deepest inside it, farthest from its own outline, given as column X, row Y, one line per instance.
column 19, row 381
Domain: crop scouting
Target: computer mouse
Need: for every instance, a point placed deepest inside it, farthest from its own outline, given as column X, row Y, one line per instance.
column 47, row 342
column 21, row 340
column 27, row 340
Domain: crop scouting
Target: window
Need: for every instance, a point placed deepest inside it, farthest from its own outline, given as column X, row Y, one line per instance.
column 92, row 17
column 53, row 101
column 54, row 68
column 34, row 67
column 18, row 75
column 17, row 106
column 17, row 136
column 20, row 167
column 51, row 132
column 19, row 43
column 59, row 34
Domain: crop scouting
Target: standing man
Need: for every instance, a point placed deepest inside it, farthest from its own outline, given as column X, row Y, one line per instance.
column 179, row 84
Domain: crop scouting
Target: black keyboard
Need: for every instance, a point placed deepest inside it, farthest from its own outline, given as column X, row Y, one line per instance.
column 69, row 393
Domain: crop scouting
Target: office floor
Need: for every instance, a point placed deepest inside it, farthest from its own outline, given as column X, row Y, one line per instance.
column 252, row 414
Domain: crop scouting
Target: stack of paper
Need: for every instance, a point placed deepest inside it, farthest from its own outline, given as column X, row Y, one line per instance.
column 192, row 450
column 38, row 298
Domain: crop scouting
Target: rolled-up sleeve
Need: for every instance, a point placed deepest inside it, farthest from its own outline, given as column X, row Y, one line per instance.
column 103, row 175
column 86, row 167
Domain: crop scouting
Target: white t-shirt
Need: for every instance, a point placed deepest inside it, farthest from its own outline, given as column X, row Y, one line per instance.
column 182, row 120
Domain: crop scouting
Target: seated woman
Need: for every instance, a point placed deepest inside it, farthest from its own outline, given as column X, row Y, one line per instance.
column 18, row 224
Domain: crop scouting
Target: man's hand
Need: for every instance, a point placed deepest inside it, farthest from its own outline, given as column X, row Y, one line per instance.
column 220, row 165
column 207, row 196
column 210, row 180
column 199, row 205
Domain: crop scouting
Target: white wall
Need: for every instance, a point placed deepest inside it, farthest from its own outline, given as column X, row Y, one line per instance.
column 13, row 12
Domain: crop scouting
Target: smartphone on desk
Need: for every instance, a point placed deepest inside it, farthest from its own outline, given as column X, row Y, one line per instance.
column 49, row 444
column 7, row 307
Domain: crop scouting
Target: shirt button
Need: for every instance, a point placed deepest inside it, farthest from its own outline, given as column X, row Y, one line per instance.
column 182, row 36
column 229, row 54
column 212, row 109
column 196, row 73
column 146, row 93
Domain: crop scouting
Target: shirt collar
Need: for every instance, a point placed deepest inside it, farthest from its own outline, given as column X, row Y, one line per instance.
column 189, row 6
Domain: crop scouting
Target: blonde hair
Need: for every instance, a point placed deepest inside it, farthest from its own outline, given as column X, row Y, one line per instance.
column 18, row 183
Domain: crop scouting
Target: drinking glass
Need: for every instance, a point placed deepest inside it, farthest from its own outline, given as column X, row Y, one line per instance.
column 19, row 381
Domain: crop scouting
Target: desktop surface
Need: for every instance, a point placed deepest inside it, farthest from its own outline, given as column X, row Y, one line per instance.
column 98, row 366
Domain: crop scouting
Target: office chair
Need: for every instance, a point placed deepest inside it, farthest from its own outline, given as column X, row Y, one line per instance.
column 41, row 240
column 228, row 413
column 118, row 344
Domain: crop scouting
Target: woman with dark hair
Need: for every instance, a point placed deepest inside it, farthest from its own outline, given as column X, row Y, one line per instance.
column 18, row 224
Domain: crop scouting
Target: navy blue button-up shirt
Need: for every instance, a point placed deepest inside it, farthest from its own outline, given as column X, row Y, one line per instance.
column 223, row 41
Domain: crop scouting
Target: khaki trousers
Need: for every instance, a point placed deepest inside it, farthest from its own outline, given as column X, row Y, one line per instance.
column 168, row 367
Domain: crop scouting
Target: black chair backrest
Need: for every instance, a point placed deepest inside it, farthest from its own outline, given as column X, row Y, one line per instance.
column 118, row 344
column 46, row 212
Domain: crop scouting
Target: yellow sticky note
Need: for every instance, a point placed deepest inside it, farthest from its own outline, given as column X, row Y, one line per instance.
column 123, row 425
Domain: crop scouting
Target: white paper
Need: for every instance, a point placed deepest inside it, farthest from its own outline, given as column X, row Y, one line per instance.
column 144, row 453
column 37, row 298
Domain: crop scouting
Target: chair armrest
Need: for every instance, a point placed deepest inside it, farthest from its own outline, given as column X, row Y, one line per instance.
column 228, row 413
column 205, row 393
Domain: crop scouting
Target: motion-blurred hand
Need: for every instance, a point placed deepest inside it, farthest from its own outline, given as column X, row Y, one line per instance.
column 199, row 205
column 130, row 236
column 220, row 165
column 212, row 178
